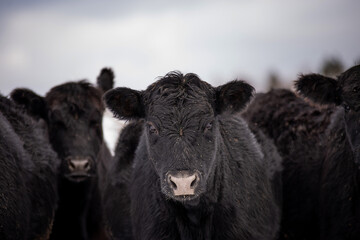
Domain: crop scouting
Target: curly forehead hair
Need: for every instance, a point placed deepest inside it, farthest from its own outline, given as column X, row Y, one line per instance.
column 75, row 93
column 175, row 87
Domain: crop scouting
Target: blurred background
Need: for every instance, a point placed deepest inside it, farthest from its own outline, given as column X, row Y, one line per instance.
column 44, row 43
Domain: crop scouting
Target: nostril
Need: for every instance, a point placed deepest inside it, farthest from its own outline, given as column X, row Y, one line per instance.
column 87, row 166
column 71, row 165
column 172, row 184
column 193, row 183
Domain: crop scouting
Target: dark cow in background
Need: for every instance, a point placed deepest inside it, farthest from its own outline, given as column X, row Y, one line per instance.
column 199, row 172
column 297, row 129
column 116, row 196
column 319, row 146
column 73, row 113
column 28, row 176
column 339, row 196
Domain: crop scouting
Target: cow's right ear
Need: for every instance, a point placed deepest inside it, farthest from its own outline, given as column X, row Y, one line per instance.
column 34, row 104
column 105, row 80
column 125, row 103
column 318, row 88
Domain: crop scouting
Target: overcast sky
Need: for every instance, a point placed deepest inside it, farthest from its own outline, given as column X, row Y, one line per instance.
column 45, row 43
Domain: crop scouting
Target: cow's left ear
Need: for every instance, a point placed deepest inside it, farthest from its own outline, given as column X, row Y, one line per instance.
column 125, row 103
column 105, row 80
column 318, row 88
column 233, row 96
column 34, row 104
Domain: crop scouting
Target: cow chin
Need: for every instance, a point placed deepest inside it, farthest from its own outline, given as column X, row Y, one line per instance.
column 192, row 200
column 77, row 178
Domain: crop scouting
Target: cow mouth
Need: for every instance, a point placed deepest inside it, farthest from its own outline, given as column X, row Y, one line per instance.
column 186, row 198
column 78, row 177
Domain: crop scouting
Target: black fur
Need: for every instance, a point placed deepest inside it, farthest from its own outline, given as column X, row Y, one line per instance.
column 340, row 178
column 74, row 122
column 105, row 80
column 28, row 179
column 123, row 101
column 320, row 150
column 183, row 131
column 234, row 96
column 116, row 191
column 297, row 130
column 319, row 88
column 33, row 103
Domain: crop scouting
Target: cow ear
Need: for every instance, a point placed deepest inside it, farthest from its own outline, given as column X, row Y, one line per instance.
column 125, row 103
column 233, row 96
column 105, row 80
column 34, row 104
column 318, row 88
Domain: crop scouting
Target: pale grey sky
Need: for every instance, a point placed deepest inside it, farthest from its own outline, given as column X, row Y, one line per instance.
column 45, row 43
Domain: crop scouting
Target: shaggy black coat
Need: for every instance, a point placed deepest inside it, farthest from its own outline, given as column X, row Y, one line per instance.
column 116, row 196
column 28, row 179
column 192, row 127
column 73, row 115
column 339, row 193
column 297, row 129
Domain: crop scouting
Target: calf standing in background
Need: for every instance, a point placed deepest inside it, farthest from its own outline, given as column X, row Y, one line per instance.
column 73, row 113
column 199, row 172
column 28, row 176
column 116, row 196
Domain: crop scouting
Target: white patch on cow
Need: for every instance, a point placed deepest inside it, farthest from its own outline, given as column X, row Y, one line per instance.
column 111, row 129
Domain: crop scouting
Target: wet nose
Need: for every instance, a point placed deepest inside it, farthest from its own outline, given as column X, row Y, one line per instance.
column 79, row 165
column 183, row 182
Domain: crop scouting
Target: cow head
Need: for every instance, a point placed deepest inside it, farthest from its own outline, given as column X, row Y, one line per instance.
column 343, row 91
column 181, row 127
column 73, row 113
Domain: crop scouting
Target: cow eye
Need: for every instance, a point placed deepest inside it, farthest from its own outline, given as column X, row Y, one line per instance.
column 355, row 89
column 152, row 129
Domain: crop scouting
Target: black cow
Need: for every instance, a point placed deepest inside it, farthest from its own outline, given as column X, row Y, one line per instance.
column 28, row 176
column 319, row 149
column 116, row 196
column 199, row 172
column 73, row 113
column 297, row 129
column 339, row 195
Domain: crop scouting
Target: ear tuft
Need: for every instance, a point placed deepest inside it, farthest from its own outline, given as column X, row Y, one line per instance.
column 34, row 104
column 318, row 88
column 105, row 80
column 233, row 97
column 125, row 103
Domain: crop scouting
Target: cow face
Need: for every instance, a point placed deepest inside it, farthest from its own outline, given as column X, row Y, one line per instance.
column 343, row 91
column 73, row 113
column 181, row 129
column 75, row 127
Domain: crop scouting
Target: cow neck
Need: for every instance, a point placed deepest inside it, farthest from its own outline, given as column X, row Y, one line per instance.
column 343, row 132
column 352, row 131
column 70, row 216
column 341, row 173
column 341, row 155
